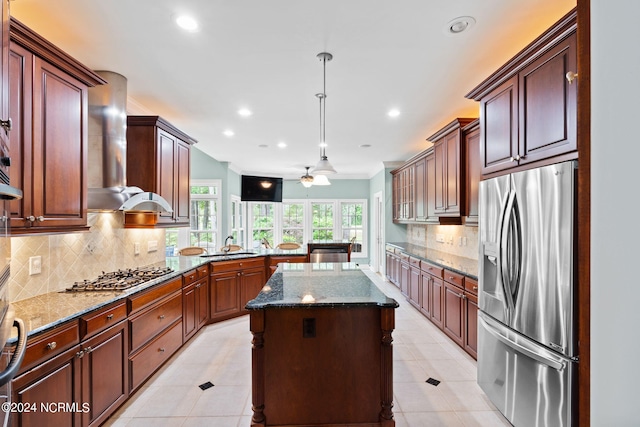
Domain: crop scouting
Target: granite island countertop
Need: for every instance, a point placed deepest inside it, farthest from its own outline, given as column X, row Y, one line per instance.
column 465, row 266
column 319, row 285
column 46, row 311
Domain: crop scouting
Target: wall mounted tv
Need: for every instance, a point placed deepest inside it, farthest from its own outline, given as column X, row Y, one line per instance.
column 261, row 189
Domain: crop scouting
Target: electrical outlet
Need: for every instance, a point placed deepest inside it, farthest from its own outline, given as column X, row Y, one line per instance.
column 450, row 240
column 460, row 241
column 152, row 245
column 136, row 248
column 440, row 238
column 35, row 265
column 464, row 241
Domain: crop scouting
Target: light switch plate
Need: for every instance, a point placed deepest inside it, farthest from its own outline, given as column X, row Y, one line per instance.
column 35, row 265
column 152, row 245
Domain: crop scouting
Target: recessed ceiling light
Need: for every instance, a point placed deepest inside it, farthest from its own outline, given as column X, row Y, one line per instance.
column 281, row 144
column 365, row 145
column 187, row 23
column 459, row 25
column 263, row 146
column 393, row 112
column 228, row 132
column 245, row 112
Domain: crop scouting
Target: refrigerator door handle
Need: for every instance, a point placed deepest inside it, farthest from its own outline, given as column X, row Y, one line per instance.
column 557, row 364
column 503, row 253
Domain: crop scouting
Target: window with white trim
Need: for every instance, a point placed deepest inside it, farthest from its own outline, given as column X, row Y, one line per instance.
column 292, row 222
column 353, row 224
column 237, row 221
column 263, row 219
column 322, row 221
column 204, row 227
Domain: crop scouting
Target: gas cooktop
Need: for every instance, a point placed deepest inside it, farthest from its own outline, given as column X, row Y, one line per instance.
column 120, row 280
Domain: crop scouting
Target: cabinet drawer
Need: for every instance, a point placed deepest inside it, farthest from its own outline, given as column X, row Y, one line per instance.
column 149, row 359
column 220, row 266
column 432, row 269
column 101, row 320
column 145, row 326
column 454, row 278
column 471, row 285
column 414, row 261
column 148, row 297
column 50, row 344
column 275, row 260
column 195, row 274
column 404, row 257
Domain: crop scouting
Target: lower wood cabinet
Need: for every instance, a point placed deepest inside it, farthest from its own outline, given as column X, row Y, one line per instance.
column 90, row 376
column 453, row 317
column 471, row 317
column 232, row 284
column 195, row 301
column 275, row 260
column 415, row 290
column 404, row 274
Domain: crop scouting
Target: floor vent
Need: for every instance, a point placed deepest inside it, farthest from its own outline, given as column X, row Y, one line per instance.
column 206, row 385
column 433, row 381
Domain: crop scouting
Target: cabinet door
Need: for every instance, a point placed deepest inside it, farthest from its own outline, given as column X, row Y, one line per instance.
column 431, row 188
column 437, row 293
column 105, row 373
column 548, row 104
column 414, row 286
column 166, row 171
column 183, row 192
column 420, row 200
column 472, row 144
column 425, row 295
column 20, row 110
column 440, row 159
column 453, row 174
column 59, row 148
column 404, row 278
column 396, row 196
column 224, row 294
column 471, row 324
column 57, row 380
column 202, row 303
column 499, row 124
column 189, row 314
column 4, row 70
column 252, row 282
column 453, row 313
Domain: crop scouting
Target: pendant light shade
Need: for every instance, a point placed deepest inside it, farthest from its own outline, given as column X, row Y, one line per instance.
column 321, row 180
column 323, row 167
column 306, row 179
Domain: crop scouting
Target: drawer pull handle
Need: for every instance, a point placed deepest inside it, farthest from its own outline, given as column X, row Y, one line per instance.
column 52, row 345
column 475, row 288
column 110, row 316
column 80, row 354
column 161, row 317
column 88, row 349
column 161, row 349
column 451, row 278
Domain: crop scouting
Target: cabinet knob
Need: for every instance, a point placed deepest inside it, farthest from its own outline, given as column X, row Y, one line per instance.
column 40, row 218
column 161, row 317
column 52, row 345
column 475, row 288
column 80, row 354
column 571, row 76
column 161, row 349
column 88, row 349
column 6, row 124
column 110, row 316
column 31, row 218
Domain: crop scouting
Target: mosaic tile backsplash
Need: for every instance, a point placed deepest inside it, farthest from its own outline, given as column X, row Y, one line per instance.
column 457, row 239
column 68, row 258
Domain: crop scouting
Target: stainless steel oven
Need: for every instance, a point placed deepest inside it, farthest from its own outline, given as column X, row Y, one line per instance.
column 12, row 356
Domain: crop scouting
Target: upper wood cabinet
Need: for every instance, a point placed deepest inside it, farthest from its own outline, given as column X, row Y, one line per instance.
column 528, row 106
column 473, row 172
column 403, row 190
column 449, row 150
column 48, row 141
column 158, row 159
column 4, row 78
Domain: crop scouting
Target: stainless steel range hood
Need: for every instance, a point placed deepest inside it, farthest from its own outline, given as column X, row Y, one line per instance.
column 108, row 190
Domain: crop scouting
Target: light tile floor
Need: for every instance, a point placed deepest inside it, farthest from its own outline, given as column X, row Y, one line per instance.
column 221, row 353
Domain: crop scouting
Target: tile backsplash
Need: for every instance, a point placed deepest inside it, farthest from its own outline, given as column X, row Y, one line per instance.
column 456, row 239
column 68, row 258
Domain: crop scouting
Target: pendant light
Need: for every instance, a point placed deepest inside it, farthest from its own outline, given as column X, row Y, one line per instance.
column 323, row 167
column 306, row 179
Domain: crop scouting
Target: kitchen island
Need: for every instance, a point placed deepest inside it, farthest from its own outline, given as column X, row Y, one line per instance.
column 322, row 349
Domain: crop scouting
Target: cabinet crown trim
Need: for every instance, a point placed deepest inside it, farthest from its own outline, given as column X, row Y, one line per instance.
column 455, row 124
column 560, row 30
column 162, row 124
column 26, row 37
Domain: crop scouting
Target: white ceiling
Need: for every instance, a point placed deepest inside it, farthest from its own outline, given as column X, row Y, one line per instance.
column 262, row 55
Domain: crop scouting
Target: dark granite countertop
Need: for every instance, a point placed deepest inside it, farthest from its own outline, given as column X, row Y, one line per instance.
column 462, row 265
column 44, row 312
column 319, row 285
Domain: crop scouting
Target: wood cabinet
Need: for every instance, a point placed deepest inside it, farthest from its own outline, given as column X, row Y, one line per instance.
column 473, row 171
column 232, row 284
column 91, row 373
column 432, row 292
column 403, row 182
column 4, row 78
column 449, row 151
column 470, row 343
column 161, row 155
column 415, row 291
column 195, row 300
column 155, row 329
column 404, row 274
column 274, row 260
column 453, row 319
column 48, row 105
column 528, row 106
column 393, row 267
column 425, row 187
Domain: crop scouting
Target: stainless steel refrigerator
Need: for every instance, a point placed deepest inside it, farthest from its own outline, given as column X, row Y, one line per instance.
column 526, row 323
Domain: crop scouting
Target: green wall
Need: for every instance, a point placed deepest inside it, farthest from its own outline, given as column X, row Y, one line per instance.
column 339, row 189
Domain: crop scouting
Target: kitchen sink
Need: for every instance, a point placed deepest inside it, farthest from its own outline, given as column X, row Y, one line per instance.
column 221, row 254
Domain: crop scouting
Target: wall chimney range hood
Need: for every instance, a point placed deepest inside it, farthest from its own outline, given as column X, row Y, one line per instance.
column 108, row 190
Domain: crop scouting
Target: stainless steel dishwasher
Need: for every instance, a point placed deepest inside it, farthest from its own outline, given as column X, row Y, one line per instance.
column 329, row 252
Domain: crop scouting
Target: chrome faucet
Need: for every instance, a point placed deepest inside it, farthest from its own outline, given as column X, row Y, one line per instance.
column 226, row 247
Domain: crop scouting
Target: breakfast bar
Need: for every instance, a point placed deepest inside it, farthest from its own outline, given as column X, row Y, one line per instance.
column 322, row 350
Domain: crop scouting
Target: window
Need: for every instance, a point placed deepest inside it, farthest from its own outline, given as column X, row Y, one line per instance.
column 292, row 222
column 237, row 224
column 352, row 214
column 322, row 218
column 263, row 224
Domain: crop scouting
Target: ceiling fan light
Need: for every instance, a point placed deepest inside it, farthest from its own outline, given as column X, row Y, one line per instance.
column 321, row 180
column 324, row 167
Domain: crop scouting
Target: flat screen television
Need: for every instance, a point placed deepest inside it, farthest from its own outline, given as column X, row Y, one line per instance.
column 261, row 189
